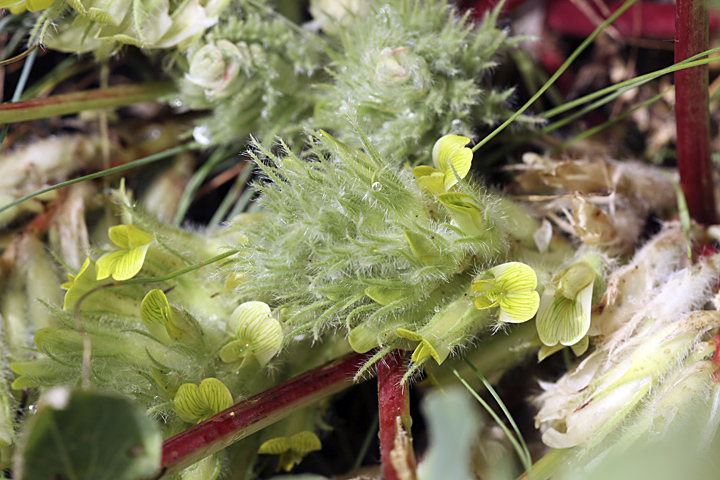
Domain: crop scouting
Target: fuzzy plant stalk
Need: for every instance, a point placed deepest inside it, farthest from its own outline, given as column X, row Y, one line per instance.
column 691, row 111
column 256, row 413
column 398, row 457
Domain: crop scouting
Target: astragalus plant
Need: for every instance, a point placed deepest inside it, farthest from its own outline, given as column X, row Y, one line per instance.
column 370, row 235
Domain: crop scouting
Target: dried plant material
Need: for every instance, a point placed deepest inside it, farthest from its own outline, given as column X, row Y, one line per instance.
column 605, row 203
column 28, row 168
column 68, row 229
column 401, row 452
column 591, row 223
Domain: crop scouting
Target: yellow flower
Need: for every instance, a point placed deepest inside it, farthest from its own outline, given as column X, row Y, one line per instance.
column 452, row 159
column 448, row 328
column 126, row 263
column 258, row 335
column 16, row 6
column 78, row 285
column 564, row 313
column 164, row 322
column 291, row 449
column 510, row 286
column 195, row 404
column 425, row 349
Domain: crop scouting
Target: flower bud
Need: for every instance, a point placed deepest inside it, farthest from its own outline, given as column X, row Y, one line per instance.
column 216, row 66
column 466, row 211
column 399, row 66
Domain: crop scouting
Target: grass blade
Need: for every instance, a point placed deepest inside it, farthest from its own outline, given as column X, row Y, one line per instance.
column 137, row 163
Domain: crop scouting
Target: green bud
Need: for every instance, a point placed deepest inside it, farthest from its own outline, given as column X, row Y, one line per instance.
column 422, row 247
column 466, row 211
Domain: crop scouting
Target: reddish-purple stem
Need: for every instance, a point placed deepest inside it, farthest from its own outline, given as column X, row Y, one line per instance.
column 691, row 111
column 396, row 449
column 255, row 413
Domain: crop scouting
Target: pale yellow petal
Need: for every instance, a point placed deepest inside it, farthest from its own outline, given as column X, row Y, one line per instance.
column 130, row 263
column 452, row 158
column 275, row 446
column 137, row 237
column 409, row 335
column 156, row 314
column 305, row 442
column 119, row 236
column 424, row 171
column 484, row 302
column 216, row 395
column 189, row 404
column 106, row 264
column 564, row 321
column 514, row 277
column 432, row 184
column 255, row 329
column 518, row 307
column 37, row 5
column 425, row 350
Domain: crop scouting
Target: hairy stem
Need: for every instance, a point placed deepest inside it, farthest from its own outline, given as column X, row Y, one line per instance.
column 396, row 449
column 691, row 111
column 256, row 413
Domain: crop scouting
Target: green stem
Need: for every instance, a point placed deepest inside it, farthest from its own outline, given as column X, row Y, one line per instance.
column 592, row 131
column 177, row 273
column 112, row 97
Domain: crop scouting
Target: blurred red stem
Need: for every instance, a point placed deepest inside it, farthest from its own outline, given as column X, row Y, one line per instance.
column 691, row 111
column 255, row 413
column 398, row 457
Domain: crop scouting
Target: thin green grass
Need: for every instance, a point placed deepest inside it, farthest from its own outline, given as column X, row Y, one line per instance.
column 556, row 75
column 196, row 181
column 518, row 442
column 598, row 128
column 134, row 164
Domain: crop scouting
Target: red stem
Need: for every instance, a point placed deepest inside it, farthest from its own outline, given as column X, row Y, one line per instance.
column 691, row 111
column 398, row 457
column 256, row 413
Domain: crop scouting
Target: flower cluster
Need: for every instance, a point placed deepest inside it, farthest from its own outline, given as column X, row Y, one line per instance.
column 102, row 26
